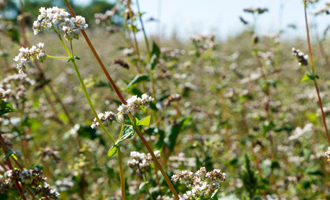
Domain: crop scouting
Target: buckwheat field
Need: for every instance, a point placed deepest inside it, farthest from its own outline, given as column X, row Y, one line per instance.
column 94, row 106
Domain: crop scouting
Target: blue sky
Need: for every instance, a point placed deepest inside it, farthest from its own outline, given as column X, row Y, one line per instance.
column 188, row 17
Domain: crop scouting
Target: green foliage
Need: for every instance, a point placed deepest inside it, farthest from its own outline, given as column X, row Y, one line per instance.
column 143, row 122
column 307, row 77
column 5, row 107
column 128, row 132
column 14, row 35
column 173, row 131
column 137, row 79
column 249, row 178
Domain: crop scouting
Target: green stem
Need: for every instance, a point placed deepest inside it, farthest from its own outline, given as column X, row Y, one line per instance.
column 121, row 171
column 83, row 86
column 152, row 82
column 143, row 29
column 145, row 180
column 56, row 57
column 137, row 49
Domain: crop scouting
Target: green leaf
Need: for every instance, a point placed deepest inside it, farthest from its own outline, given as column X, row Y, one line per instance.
column 89, row 133
column 173, row 132
column 143, row 186
column 315, row 172
column 5, row 107
column 137, row 79
column 305, row 78
column 133, row 28
column 215, row 194
column 145, row 121
column 70, row 60
column 11, row 154
column 14, row 35
column 255, row 51
column 155, row 50
column 128, row 132
column 153, row 62
column 112, row 151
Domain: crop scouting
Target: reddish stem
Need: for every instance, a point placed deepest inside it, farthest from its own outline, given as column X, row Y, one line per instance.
column 98, row 59
column 313, row 71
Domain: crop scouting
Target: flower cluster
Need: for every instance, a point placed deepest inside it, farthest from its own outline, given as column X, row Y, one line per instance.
column 164, row 198
column 59, row 20
column 104, row 117
column 64, row 184
column 16, row 91
column 104, row 18
column 204, row 42
column 298, row 132
column 31, row 177
column 141, row 161
column 202, row 184
column 134, row 103
column 25, row 55
column 301, row 57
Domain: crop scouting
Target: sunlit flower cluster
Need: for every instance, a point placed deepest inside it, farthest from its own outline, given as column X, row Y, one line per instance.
column 134, row 103
column 59, row 20
column 27, row 54
column 104, row 117
column 202, row 184
column 141, row 161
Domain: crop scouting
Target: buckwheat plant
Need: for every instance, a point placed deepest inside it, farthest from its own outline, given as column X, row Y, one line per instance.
column 67, row 28
column 311, row 70
column 201, row 185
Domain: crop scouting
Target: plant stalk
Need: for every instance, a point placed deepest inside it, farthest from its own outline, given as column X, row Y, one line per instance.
column 313, row 73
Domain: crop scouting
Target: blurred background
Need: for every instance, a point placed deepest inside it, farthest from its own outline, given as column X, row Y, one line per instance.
column 184, row 18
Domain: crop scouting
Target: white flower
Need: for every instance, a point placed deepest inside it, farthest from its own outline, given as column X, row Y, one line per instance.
column 104, row 117
column 59, row 20
column 141, row 161
column 25, row 55
column 201, row 184
column 298, row 132
column 134, row 103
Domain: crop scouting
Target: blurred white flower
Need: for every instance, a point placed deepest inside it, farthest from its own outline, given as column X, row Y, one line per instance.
column 298, row 132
